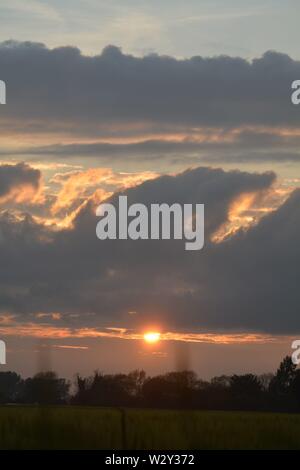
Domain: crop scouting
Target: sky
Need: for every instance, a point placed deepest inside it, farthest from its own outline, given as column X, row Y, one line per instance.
column 162, row 102
column 195, row 27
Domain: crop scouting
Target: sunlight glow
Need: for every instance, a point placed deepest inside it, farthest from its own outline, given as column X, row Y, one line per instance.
column 151, row 337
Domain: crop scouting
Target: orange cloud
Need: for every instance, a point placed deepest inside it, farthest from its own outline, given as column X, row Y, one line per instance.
column 20, row 183
column 67, row 346
column 249, row 208
column 45, row 330
column 82, row 184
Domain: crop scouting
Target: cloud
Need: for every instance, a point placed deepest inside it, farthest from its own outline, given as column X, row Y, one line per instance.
column 79, row 185
column 154, row 110
column 91, row 283
column 264, row 268
column 48, row 331
column 19, row 183
column 237, row 145
column 61, row 88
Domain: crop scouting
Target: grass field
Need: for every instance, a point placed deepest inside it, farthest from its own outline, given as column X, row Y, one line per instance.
column 100, row 428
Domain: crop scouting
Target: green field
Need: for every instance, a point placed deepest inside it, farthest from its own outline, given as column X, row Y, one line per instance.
column 100, row 428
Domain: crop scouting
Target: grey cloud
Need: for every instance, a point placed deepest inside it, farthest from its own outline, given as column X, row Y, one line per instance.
column 71, row 271
column 246, row 146
column 256, row 274
column 62, row 86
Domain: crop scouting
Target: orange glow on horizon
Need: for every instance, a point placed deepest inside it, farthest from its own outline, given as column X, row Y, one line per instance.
column 9, row 326
column 152, row 337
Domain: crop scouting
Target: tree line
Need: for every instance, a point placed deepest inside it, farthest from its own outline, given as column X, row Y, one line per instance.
column 179, row 390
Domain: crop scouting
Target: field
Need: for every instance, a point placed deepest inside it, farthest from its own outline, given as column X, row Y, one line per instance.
column 100, row 428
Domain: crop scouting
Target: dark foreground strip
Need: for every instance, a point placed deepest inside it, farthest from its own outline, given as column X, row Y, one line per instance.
column 142, row 459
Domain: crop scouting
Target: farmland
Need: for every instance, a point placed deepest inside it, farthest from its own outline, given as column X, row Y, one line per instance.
column 66, row 427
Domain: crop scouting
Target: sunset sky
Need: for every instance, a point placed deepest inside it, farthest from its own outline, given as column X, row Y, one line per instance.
column 163, row 102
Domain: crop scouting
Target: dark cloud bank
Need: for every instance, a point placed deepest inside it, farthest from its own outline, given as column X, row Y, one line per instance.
column 113, row 87
column 249, row 282
column 62, row 92
column 248, row 146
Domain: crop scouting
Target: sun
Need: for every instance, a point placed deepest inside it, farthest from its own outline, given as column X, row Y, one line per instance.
column 152, row 337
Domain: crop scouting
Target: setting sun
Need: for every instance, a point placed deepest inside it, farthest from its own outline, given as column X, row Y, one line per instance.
column 151, row 337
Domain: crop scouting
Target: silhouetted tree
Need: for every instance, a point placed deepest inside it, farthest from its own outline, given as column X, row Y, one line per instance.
column 137, row 379
column 10, row 385
column 45, row 388
column 222, row 381
column 82, row 389
column 296, row 389
column 155, row 392
column 171, row 390
column 246, row 392
column 175, row 389
column 110, row 390
column 281, row 386
column 265, row 380
column 217, row 396
column 284, row 377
